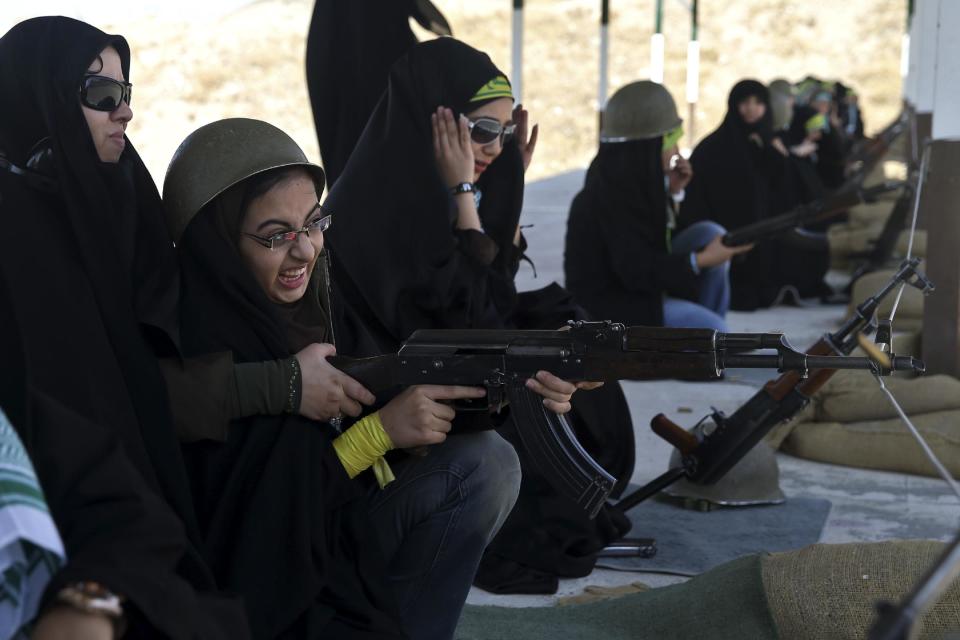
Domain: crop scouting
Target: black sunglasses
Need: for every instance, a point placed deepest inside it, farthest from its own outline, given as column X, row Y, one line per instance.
column 104, row 94
column 485, row 130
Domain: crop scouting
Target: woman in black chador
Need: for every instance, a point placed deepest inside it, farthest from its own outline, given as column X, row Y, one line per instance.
column 623, row 259
column 743, row 174
column 427, row 236
column 92, row 287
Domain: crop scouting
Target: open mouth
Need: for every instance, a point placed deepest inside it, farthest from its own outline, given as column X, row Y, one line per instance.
column 292, row 278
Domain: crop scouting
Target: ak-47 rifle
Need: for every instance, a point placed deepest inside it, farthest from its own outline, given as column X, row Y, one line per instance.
column 718, row 442
column 865, row 156
column 848, row 195
column 502, row 361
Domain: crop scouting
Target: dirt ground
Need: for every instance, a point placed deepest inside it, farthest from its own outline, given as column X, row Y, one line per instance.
column 188, row 71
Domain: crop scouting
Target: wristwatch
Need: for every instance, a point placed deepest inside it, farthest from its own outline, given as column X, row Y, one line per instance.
column 463, row 187
column 93, row 597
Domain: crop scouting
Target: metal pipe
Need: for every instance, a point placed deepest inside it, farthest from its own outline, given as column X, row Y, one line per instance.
column 516, row 68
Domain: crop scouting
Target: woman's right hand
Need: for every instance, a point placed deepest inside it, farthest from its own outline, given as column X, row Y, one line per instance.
column 327, row 392
column 419, row 416
column 716, row 253
column 451, row 147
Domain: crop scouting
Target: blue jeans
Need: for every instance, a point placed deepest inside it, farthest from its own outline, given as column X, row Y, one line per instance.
column 435, row 520
column 713, row 298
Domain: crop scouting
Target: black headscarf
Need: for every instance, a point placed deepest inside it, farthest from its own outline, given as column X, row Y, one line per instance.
column 94, row 284
column 350, row 48
column 733, row 174
column 617, row 261
column 395, row 252
column 281, row 520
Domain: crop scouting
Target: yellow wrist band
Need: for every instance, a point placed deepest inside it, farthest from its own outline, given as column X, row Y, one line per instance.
column 362, row 446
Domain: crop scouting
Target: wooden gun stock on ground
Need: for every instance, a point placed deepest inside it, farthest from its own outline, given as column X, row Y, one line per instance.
column 817, row 211
column 718, row 442
column 502, row 361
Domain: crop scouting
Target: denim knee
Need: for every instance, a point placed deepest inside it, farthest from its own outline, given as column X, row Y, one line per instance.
column 494, row 480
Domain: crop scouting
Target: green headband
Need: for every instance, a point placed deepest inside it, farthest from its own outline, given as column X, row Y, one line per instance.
column 816, row 123
column 499, row 87
column 672, row 137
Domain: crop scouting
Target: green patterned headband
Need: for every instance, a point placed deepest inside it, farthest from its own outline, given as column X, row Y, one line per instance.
column 499, row 87
column 672, row 137
column 816, row 123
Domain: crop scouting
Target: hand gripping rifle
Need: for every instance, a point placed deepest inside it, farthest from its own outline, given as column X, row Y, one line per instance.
column 718, row 441
column 502, row 361
column 848, row 195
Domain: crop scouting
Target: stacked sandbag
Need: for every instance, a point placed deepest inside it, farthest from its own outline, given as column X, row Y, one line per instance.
column 909, row 316
column 851, row 422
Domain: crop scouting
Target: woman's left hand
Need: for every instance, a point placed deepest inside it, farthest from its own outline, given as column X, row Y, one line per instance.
column 556, row 392
column 527, row 146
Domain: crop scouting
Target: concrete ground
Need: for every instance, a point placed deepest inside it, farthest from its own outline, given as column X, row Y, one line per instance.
column 868, row 506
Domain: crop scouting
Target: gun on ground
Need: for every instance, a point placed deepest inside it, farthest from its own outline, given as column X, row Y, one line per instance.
column 816, row 211
column 718, row 442
column 502, row 361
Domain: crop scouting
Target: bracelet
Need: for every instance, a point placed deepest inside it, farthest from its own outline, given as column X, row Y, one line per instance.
column 462, row 187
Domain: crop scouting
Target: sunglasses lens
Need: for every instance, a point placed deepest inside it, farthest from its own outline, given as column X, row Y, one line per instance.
column 485, row 131
column 104, row 94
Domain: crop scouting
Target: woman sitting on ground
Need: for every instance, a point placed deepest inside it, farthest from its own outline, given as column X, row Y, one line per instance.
column 743, row 173
column 446, row 150
column 343, row 557
column 623, row 260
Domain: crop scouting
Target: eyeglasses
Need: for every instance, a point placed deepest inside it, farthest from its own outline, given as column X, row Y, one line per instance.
column 287, row 238
column 104, row 94
column 485, row 130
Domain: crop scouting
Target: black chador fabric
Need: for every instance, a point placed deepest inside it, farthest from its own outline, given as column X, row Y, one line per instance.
column 116, row 531
column 284, row 525
column 350, row 47
column 828, row 161
column 95, row 299
column 739, row 179
column 617, row 260
column 400, row 265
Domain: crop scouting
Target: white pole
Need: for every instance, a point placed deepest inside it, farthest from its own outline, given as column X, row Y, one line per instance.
column 946, row 116
column 693, row 71
column 516, row 69
column 928, row 53
column 656, row 57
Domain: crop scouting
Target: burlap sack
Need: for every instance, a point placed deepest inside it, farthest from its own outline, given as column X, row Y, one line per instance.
column 855, row 396
column 911, row 303
column 870, row 214
column 919, row 244
column 830, row 591
column 880, row 444
column 844, row 241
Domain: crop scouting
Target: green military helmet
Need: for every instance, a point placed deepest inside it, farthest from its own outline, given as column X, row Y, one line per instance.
column 781, row 103
column 755, row 480
column 779, row 85
column 219, row 155
column 639, row 111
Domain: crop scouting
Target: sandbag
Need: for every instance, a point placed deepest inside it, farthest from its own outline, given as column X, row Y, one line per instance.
column 830, row 591
column 919, row 244
column 870, row 214
column 880, row 444
column 854, row 396
column 845, row 241
column 911, row 303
